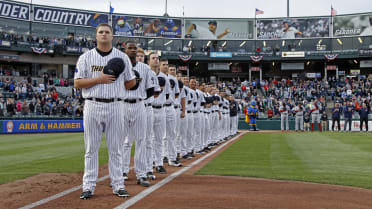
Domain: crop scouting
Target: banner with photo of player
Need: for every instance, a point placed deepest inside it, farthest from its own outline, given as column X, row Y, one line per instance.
column 293, row 28
column 352, row 25
column 126, row 25
column 224, row 29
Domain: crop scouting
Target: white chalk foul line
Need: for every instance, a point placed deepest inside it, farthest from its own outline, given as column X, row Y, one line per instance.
column 144, row 193
column 61, row 194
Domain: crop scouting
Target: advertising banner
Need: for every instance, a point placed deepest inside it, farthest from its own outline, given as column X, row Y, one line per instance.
column 352, row 25
column 220, row 55
column 41, row 126
column 293, row 28
column 126, row 25
column 14, row 10
column 68, row 16
column 355, row 125
column 224, row 29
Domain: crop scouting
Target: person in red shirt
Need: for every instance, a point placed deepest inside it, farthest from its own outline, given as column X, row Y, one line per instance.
column 19, row 106
column 270, row 113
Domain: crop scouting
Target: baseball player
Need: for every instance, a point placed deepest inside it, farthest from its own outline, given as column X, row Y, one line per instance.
column 99, row 73
column 216, row 116
column 234, row 108
column 315, row 115
column 191, row 119
column 198, row 31
column 299, row 119
column 198, row 119
column 186, row 122
column 284, row 110
column 159, row 117
column 171, row 115
column 180, row 108
column 135, row 121
column 153, row 62
column 205, row 118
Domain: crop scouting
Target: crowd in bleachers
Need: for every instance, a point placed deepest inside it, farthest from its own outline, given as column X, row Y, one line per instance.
column 45, row 41
column 22, row 98
column 326, row 92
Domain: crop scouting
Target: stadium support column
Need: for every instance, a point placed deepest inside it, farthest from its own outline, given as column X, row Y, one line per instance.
column 325, row 70
column 250, row 73
column 336, row 72
column 260, row 72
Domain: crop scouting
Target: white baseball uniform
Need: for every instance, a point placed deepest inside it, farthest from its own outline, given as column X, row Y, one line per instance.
column 103, row 111
column 159, row 121
column 135, row 121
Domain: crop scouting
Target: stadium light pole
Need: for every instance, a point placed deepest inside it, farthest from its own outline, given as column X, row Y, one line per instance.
column 166, row 9
column 287, row 8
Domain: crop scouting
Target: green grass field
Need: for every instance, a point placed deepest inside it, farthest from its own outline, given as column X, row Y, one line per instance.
column 27, row 155
column 331, row 158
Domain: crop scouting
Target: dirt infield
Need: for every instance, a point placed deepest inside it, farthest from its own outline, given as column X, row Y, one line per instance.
column 188, row 191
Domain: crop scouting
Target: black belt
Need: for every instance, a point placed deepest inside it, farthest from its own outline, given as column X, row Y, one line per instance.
column 157, row 107
column 176, row 107
column 188, row 111
column 149, row 104
column 104, row 100
column 195, row 111
column 213, row 111
column 167, row 105
column 132, row 101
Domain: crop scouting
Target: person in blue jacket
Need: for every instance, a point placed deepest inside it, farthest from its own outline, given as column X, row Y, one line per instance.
column 336, row 114
column 253, row 114
column 363, row 113
column 348, row 114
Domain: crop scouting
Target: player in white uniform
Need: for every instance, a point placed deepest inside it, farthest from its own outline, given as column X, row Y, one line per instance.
column 284, row 111
column 171, row 115
column 103, row 109
column 159, row 118
column 135, row 121
column 299, row 119
column 199, row 120
column 180, row 108
column 184, row 131
column 289, row 32
column 153, row 61
column 315, row 115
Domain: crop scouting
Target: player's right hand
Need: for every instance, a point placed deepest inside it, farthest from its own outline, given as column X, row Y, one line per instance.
column 105, row 79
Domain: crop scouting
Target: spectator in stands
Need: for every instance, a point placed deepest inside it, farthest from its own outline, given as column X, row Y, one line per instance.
column 64, row 109
column 10, row 107
column 270, row 113
column 19, row 106
column 47, row 109
column 25, row 109
column 38, row 107
column 2, row 106
column 54, row 109
column 31, row 106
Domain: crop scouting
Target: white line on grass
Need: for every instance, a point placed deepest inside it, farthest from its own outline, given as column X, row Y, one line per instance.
column 148, row 191
column 45, row 200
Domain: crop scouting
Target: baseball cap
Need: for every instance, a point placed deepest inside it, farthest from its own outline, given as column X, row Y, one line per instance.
column 214, row 22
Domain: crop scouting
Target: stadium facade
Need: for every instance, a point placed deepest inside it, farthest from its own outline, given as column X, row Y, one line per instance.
column 37, row 38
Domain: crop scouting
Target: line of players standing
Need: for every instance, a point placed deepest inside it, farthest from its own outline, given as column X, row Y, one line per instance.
column 317, row 114
column 181, row 118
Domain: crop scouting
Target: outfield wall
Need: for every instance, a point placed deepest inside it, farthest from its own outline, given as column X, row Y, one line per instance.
column 40, row 126
column 275, row 125
column 51, row 126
